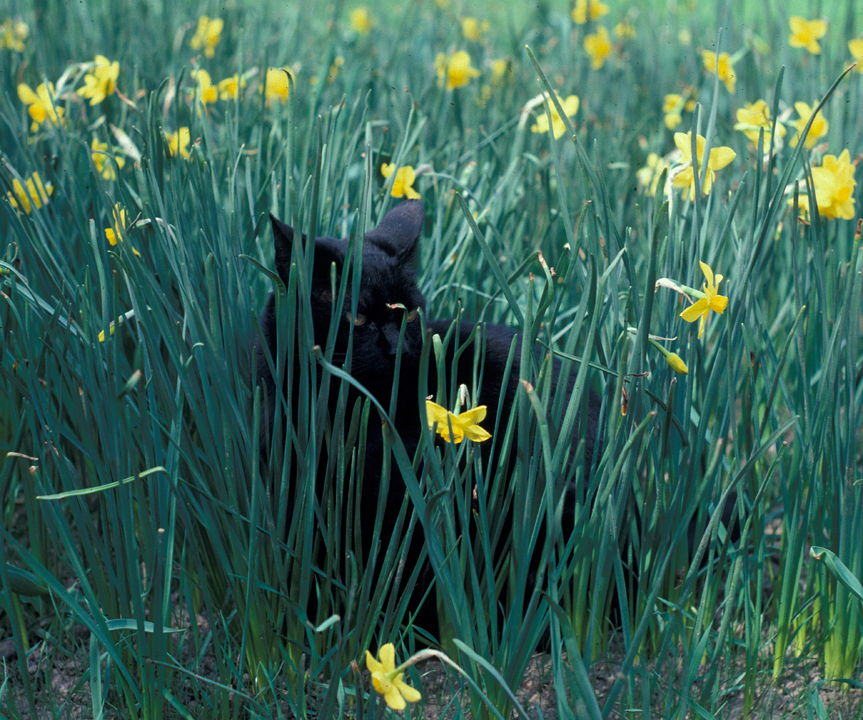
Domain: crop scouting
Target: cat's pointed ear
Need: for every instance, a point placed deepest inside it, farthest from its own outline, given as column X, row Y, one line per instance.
column 283, row 242
column 400, row 230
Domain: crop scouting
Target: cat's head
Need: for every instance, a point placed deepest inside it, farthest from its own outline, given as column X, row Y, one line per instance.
column 388, row 289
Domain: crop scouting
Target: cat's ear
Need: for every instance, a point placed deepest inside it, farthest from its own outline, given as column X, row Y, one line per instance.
column 283, row 242
column 398, row 233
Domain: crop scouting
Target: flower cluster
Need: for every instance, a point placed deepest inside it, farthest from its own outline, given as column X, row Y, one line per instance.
column 207, row 35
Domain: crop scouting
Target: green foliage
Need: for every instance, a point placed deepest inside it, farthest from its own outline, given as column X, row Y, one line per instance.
column 146, row 543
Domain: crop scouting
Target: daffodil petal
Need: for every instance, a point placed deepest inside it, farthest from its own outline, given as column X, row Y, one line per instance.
column 692, row 313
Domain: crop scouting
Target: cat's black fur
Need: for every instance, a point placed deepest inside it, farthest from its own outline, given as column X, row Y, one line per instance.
column 389, row 279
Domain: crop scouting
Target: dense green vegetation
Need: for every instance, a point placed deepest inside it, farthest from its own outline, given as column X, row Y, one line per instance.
column 145, row 559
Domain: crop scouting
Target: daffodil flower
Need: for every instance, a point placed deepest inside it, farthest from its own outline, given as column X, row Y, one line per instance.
column 855, row 47
column 817, row 130
column 102, row 159
column 473, row 30
column 387, row 679
column 230, row 87
column 834, row 188
column 719, row 158
column 724, row 69
column 570, row 108
column 650, row 175
column 464, row 425
column 598, row 46
column 454, row 71
column 806, row 33
column 276, row 84
column 207, row 92
column 13, row 35
column 178, row 143
column 101, row 81
column 754, row 116
column 207, row 35
column 40, row 105
column 362, row 21
column 710, row 300
column 594, row 9
column 32, row 194
column 403, row 182
column 118, row 232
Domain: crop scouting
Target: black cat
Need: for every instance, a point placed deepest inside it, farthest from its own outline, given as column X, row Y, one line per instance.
column 388, row 293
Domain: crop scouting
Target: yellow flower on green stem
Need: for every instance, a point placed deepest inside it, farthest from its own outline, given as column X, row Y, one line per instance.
column 40, row 105
column 362, row 21
column 558, row 127
column 32, row 194
column 13, row 35
column 598, row 47
column 230, row 87
column 754, row 116
column 464, row 425
column 178, row 143
column 818, row 129
column 856, row 48
column 650, row 175
column 387, row 679
column 718, row 159
column 725, row 69
column 584, row 9
column 117, row 233
column 207, row 92
column 104, row 159
column 454, row 71
column 403, row 182
column 276, row 84
column 473, row 30
column 207, row 35
column 806, row 33
column 101, row 81
column 710, row 300
column 834, row 188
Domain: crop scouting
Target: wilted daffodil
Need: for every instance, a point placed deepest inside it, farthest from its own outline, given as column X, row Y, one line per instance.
column 584, row 9
column 834, row 188
column 276, row 84
column 207, row 92
column 117, row 233
column 725, row 69
column 710, row 299
column 403, row 182
column 362, row 21
column 13, row 35
column 754, row 116
column 818, row 129
column 102, row 159
column 387, row 679
column 719, row 158
column 464, row 425
column 855, row 46
column 40, row 105
column 806, row 33
column 558, row 128
column 100, row 81
column 598, row 47
column 207, row 35
column 178, row 143
column 32, row 194
column 454, row 71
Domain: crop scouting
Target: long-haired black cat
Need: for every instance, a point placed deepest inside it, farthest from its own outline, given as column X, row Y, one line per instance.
column 388, row 295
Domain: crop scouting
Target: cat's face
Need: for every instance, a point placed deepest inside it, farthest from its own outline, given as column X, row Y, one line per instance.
column 388, row 291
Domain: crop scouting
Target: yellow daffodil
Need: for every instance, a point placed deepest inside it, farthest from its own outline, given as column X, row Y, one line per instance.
column 834, row 188
column 403, row 182
column 207, row 92
column 672, row 106
column 806, row 33
column 719, row 158
column 464, row 425
column 117, row 233
column 584, row 9
column 32, row 194
column 650, row 175
column 710, row 300
column 501, row 70
column 207, row 35
column 473, row 30
column 178, row 143
column 40, row 105
column 387, row 679
column 230, row 87
column 362, row 21
column 101, row 81
column 725, row 69
column 102, row 159
column 818, row 129
column 276, row 84
column 855, row 46
column 625, row 30
column 598, row 47
column 754, row 116
column 570, row 108
column 454, row 71
column 13, row 35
